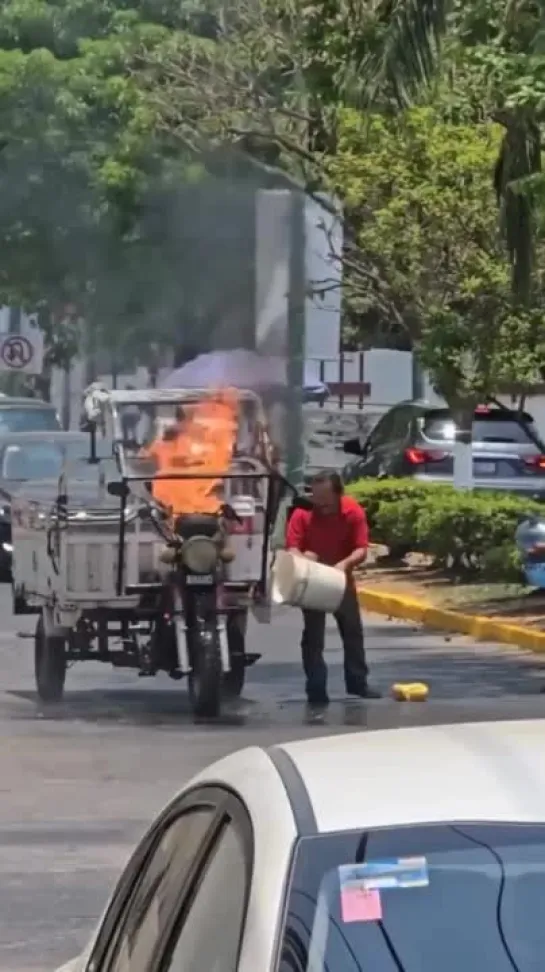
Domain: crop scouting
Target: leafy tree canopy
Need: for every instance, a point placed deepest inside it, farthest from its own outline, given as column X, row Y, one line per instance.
column 84, row 164
column 427, row 248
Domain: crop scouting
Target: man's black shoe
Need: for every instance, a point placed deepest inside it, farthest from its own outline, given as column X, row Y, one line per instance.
column 365, row 692
column 317, row 701
column 316, row 711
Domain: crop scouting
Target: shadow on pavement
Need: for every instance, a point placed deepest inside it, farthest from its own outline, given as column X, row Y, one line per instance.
column 164, row 711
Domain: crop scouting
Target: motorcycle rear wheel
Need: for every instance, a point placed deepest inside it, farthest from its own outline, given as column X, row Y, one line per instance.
column 49, row 665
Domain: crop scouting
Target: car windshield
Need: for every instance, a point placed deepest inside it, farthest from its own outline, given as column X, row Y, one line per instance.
column 28, row 420
column 44, row 460
column 440, row 898
column 491, row 427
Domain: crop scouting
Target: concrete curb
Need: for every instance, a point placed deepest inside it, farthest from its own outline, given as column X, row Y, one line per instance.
column 477, row 627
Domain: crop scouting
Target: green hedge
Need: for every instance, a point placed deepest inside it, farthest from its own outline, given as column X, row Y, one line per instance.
column 463, row 531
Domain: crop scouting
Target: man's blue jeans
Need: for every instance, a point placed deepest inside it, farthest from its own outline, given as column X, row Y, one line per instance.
column 350, row 627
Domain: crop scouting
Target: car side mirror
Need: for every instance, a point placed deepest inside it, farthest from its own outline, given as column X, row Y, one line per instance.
column 117, row 488
column 353, row 447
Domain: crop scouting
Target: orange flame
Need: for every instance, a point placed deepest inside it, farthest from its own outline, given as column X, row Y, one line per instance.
column 203, row 445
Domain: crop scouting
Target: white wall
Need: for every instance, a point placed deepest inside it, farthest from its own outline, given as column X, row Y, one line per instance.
column 324, row 241
column 27, row 321
column 272, row 270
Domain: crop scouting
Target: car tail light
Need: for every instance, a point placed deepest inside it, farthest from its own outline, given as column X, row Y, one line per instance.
column 417, row 457
column 535, row 462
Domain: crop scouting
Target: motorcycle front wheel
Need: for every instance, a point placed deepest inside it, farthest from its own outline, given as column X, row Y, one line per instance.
column 205, row 676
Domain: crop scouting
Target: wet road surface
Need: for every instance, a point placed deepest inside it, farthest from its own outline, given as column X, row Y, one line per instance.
column 80, row 783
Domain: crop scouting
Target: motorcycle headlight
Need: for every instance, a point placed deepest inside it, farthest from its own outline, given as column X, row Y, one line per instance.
column 200, row 555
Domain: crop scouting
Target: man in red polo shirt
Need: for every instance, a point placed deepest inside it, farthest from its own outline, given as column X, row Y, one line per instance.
column 333, row 532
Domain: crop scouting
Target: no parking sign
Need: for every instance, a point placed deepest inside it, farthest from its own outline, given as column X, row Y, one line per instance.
column 22, row 353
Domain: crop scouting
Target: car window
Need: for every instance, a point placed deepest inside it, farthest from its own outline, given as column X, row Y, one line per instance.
column 502, row 430
column 150, row 910
column 37, row 461
column 44, row 460
column 400, row 418
column 211, row 931
column 494, row 427
column 381, row 431
column 446, row 897
column 28, row 420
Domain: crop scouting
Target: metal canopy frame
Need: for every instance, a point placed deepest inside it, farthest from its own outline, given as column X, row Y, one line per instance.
column 167, row 396
column 274, row 496
column 277, row 483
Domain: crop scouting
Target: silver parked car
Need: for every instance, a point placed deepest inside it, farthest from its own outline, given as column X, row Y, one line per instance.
column 416, row 439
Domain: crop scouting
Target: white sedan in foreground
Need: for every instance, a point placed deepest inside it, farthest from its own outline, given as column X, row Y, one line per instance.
column 413, row 850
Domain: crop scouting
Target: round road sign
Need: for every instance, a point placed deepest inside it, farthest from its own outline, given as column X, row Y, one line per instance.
column 17, row 351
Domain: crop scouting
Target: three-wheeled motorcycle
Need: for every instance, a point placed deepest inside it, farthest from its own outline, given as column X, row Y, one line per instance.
column 155, row 559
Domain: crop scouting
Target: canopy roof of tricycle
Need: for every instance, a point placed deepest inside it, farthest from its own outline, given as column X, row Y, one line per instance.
column 150, row 396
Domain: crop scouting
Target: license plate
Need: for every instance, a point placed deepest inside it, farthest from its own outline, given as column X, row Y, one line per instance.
column 199, row 580
column 485, row 468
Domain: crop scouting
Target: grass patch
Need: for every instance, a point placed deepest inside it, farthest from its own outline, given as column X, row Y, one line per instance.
column 492, row 594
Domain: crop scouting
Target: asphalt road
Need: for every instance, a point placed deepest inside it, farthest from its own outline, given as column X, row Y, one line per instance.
column 80, row 783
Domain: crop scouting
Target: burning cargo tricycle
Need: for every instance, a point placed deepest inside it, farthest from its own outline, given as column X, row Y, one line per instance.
column 154, row 560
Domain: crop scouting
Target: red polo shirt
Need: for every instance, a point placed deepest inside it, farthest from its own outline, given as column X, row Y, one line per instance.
column 332, row 536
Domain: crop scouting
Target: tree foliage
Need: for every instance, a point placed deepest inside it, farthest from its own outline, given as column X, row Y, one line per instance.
column 422, row 116
column 497, row 46
column 428, row 251
column 88, row 179
column 442, row 201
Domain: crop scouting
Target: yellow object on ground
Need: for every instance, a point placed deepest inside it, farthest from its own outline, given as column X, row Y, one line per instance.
column 410, row 691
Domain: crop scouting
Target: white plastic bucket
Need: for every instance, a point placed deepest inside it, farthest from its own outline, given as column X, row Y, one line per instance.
column 303, row 583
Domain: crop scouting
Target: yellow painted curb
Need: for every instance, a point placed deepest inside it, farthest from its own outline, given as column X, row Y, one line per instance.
column 478, row 627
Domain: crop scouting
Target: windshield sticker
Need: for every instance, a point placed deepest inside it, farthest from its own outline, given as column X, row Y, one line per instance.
column 394, row 872
column 359, row 904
